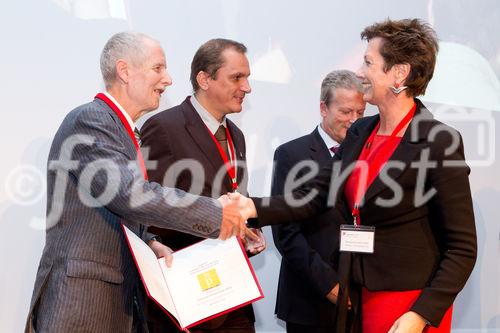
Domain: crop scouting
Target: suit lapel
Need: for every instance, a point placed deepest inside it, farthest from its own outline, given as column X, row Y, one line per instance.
column 128, row 143
column 201, row 136
column 406, row 151
column 239, row 152
column 318, row 150
column 353, row 143
column 350, row 149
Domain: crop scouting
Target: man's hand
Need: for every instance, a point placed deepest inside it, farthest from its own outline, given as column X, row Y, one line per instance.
column 410, row 322
column 233, row 222
column 162, row 251
column 245, row 204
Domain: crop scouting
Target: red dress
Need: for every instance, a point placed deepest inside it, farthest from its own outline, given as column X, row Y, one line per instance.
column 380, row 309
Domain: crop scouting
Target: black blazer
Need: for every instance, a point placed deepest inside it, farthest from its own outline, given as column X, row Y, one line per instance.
column 419, row 244
column 178, row 134
column 309, row 250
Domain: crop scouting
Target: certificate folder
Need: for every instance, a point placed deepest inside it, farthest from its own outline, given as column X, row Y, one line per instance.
column 206, row 280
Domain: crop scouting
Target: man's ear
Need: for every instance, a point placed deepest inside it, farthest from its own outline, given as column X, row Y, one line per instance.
column 323, row 109
column 202, row 78
column 122, row 70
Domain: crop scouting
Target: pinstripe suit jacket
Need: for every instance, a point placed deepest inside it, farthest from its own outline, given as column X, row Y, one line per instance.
column 86, row 280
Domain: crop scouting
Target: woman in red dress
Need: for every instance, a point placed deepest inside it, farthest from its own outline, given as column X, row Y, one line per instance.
column 401, row 175
column 422, row 253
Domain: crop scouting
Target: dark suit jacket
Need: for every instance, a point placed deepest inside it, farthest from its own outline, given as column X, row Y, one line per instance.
column 177, row 135
column 309, row 250
column 87, row 280
column 419, row 244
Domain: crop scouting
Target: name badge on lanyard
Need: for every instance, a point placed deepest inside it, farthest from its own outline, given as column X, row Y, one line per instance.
column 359, row 239
column 356, row 237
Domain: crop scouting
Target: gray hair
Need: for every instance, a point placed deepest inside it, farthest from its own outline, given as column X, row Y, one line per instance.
column 338, row 79
column 125, row 45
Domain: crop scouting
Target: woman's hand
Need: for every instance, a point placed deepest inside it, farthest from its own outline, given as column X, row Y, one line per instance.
column 410, row 322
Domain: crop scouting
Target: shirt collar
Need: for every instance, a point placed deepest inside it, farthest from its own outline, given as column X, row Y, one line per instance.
column 329, row 142
column 127, row 116
column 209, row 120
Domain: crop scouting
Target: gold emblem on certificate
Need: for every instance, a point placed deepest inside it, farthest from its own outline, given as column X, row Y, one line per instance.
column 208, row 280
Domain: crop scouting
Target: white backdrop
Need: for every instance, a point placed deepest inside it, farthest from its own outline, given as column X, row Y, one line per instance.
column 50, row 64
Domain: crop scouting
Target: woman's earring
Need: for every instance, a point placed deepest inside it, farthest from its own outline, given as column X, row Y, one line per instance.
column 397, row 89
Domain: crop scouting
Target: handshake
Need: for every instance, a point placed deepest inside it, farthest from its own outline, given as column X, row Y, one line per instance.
column 236, row 210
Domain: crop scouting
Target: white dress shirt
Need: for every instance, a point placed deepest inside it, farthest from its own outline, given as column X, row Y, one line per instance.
column 127, row 116
column 329, row 142
column 212, row 123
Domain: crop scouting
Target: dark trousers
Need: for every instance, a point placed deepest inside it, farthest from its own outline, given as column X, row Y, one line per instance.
column 238, row 321
column 298, row 328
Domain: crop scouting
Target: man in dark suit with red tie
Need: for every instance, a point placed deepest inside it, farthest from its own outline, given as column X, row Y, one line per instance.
column 199, row 150
column 308, row 283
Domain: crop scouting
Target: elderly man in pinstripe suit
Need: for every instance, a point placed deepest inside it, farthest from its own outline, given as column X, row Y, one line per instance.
column 86, row 280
